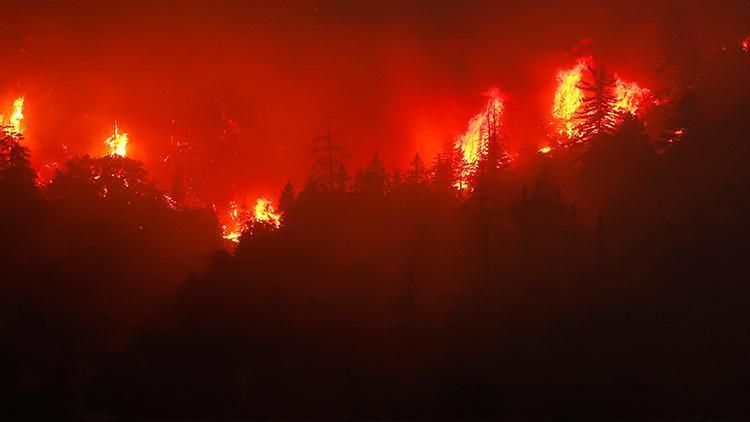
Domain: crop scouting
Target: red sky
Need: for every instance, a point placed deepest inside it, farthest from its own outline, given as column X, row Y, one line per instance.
column 394, row 77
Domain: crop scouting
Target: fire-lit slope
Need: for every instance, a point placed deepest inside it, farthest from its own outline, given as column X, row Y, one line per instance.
column 569, row 98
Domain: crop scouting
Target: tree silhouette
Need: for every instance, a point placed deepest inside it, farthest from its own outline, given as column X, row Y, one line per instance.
column 21, row 202
column 115, row 177
column 598, row 114
column 287, row 198
column 493, row 153
column 326, row 171
column 14, row 162
column 374, row 178
column 416, row 174
column 448, row 170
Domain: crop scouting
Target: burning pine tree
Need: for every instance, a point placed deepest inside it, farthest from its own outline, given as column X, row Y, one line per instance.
column 590, row 100
column 598, row 113
column 483, row 144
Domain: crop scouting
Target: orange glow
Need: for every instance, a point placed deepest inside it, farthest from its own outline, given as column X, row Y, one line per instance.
column 265, row 212
column 746, row 44
column 13, row 125
column 630, row 96
column 545, row 149
column 675, row 136
column 117, row 143
column 471, row 141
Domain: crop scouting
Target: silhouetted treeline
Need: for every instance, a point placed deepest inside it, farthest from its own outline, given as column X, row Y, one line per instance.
column 604, row 280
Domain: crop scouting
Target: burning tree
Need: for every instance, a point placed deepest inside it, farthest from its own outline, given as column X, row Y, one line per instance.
column 12, row 126
column 241, row 219
column 117, row 144
column 599, row 112
column 482, row 143
column 589, row 100
column 492, row 150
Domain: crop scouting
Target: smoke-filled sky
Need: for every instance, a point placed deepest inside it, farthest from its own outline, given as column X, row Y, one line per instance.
column 252, row 82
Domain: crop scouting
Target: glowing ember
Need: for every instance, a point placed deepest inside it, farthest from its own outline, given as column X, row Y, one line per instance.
column 746, row 44
column 13, row 125
column 265, row 212
column 117, row 143
column 471, row 141
column 629, row 96
column 545, row 149
column 675, row 136
column 235, row 225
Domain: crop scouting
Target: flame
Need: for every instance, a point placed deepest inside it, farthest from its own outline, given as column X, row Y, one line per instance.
column 568, row 97
column 237, row 218
column 235, row 225
column 630, row 96
column 471, row 141
column 746, row 44
column 545, row 149
column 117, row 143
column 13, row 125
column 265, row 212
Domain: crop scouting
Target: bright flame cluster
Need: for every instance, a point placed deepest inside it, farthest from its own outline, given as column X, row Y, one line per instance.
column 266, row 213
column 238, row 218
column 117, row 143
column 13, row 125
column 630, row 96
column 471, row 141
column 746, row 44
column 235, row 225
column 569, row 97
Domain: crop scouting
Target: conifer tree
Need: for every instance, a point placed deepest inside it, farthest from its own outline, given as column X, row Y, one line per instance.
column 598, row 115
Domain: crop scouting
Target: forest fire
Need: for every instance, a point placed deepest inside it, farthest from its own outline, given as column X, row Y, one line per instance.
column 471, row 142
column 233, row 228
column 328, row 212
column 117, row 143
column 630, row 96
column 12, row 126
column 264, row 212
column 238, row 218
column 570, row 97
